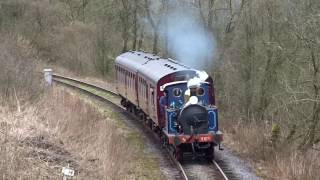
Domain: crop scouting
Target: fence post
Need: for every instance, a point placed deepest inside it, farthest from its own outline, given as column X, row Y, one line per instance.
column 48, row 77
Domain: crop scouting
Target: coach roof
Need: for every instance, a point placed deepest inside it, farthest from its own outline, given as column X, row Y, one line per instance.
column 150, row 65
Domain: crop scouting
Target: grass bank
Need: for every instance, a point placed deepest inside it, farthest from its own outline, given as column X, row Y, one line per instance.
column 64, row 129
column 271, row 155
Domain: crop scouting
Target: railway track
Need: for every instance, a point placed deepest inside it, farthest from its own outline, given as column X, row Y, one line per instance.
column 189, row 169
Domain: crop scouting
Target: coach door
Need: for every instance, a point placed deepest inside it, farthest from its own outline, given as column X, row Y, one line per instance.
column 143, row 94
column 152, row 102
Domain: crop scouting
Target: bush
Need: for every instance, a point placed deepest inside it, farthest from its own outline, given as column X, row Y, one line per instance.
column 18, row 77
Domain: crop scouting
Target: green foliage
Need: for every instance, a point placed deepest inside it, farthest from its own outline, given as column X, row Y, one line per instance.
column 275, row 134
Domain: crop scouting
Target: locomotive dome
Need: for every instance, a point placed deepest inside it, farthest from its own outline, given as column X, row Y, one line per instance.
column 151, row 65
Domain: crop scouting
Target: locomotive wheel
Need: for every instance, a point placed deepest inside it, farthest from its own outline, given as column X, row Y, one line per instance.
column 150, row 124
column 123, row 102
column 209, row 153
column 135, row 110
column 141, row 117
column 178, row 154
column 130, row 108
column 164, row 141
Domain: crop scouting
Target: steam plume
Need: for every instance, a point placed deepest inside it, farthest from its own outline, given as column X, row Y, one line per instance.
column 188, row 40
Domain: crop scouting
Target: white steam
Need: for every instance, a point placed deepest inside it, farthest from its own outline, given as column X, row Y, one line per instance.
column 195, row 82
column 201, row 76
column 188, row 40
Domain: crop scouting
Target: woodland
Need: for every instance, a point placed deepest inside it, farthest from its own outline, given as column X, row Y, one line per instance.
column 264, row 56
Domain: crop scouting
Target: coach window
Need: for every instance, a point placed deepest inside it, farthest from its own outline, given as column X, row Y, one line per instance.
column 134, row 81
column 200, row 92
column 130, row 80
column 122, row 75
column 177, row 92
column 152, row 95
column 144, row 89
column 139, row 84
column 128, row 77
column 125, row 77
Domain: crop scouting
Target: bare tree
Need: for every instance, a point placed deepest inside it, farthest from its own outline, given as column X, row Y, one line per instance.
column 124, row 15
column 154, row 26
column 135, row 25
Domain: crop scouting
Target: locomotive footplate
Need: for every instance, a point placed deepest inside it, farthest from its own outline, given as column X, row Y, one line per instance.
column 177, row 139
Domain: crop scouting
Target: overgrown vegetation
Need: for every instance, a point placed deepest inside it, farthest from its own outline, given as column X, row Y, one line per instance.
column 266, row 62
column 17, row 61
column 62, row 129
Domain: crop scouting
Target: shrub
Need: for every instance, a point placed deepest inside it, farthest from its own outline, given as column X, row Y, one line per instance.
column 18, row 77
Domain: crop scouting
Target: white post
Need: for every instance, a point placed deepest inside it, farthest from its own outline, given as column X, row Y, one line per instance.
column 67, row 172
column 48, row 76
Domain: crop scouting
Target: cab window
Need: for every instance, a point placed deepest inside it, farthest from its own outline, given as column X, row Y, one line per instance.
column 177, row 92
column 200, row 91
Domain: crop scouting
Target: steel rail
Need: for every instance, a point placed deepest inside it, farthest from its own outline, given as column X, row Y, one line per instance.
column 84, row 83
column 220, row 170
column 58, row 78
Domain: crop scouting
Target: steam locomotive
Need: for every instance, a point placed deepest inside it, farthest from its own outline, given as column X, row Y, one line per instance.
column 188, row 122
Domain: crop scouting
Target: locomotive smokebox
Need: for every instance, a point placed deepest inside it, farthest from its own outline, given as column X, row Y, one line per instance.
column 194, row 119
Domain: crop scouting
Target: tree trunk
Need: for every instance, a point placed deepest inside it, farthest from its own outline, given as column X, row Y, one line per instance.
column 210, row 15
column 310, row 136
column 124, row 14
column 154, row 27
column 155, row 42
column 135, row 25
column 166, row 44
column 269, row 69
column 140, row 41
column 249, row 68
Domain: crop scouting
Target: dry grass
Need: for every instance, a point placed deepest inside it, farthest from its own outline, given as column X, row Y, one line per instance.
column 253, row 143
column 63, row 129
column 296, row 165
column 20, row 157
column 18, row 78
column 84, row 130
